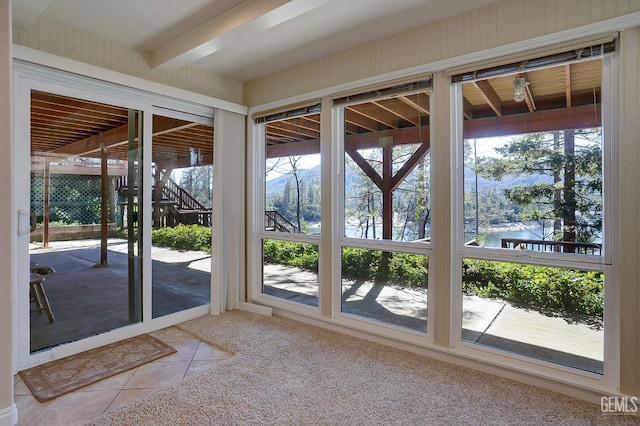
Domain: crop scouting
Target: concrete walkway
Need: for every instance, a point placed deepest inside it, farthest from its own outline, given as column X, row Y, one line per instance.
column 488, row 322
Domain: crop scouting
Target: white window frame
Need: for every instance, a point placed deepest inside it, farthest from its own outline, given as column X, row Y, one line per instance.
column 257, row 207
column 604, row 263
column 341, row 241
column 28, row 77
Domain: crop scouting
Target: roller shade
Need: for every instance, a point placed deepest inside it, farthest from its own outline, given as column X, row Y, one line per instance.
column 552, row 56
column 390, row 91
column 289, row 111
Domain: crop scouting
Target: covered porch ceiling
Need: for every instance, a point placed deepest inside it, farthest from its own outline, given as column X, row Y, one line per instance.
column 64, row 127
column 562, row 97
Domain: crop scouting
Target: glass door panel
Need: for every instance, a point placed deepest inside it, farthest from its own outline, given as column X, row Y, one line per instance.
column 182, row 171
column 85, row 260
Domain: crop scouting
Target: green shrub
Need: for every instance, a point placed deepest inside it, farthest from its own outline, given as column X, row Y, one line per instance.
column 541, row 287
column 411, row 270
column 360, row 263
column 300, row 255
column 183, row 237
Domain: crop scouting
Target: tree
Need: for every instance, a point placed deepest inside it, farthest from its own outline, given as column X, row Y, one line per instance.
column 563, row 174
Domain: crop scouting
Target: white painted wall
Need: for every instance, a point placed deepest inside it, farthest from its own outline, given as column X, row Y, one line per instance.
column 8, row 412
column 495, row 25
column 58, row 39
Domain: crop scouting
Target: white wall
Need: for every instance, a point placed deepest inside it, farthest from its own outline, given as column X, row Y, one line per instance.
column 498, row 24
column 58, row 39
column 8, row 413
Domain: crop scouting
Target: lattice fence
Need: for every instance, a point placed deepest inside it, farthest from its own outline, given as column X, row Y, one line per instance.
column 73, row 199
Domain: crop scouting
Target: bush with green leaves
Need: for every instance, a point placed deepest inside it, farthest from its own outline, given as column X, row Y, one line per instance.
column 543, row 287
column 300, row 255
column 409, row 269
column 539, row 287
column 183, row 237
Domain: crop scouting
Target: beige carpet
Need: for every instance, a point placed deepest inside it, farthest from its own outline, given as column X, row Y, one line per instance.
column 56, row 378
column 287, row 373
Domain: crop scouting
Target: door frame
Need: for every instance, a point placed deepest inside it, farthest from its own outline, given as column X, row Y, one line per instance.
column 28, row 77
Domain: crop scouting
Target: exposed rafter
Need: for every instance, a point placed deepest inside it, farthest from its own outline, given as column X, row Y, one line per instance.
column 567, row 84
column 489, row 95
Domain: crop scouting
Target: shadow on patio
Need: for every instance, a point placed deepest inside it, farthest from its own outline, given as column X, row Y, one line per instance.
column 487, row 322
column 88, row 300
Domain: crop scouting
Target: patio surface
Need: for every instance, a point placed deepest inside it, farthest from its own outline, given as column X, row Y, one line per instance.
column 487, row 322
column 88, row 300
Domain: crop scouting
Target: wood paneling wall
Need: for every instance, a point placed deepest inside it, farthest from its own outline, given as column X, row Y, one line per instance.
column 628, row 228
column 495, row 25
column 58, row 39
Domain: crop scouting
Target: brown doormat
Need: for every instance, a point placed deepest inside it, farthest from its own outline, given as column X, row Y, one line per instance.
column 56, row 378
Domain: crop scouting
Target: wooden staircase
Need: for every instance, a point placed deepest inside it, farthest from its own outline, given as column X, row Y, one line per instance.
column 275, row 221
column 172, row 204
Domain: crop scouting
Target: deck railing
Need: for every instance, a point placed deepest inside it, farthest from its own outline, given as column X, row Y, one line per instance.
column 275, row 221
column 552, row 246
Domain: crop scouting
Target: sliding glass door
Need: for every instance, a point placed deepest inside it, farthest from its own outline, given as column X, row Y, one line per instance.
column 105, row 177
column 85, row 256
column 181, row 208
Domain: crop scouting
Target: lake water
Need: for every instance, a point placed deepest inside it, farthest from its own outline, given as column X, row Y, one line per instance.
column 488, row 239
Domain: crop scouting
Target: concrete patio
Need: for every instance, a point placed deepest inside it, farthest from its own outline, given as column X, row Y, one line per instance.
column 88, row 300
column 493, row 323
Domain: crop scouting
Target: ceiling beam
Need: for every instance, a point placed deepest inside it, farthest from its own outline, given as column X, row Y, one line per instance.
column 244, row 22
column 489, row 95
column 396, row 113
column 467, row 109
column 414, row 105
column 371, row 116
column 580, row 117
column 117, row 136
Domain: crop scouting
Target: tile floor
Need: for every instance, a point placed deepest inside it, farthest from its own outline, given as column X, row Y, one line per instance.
column 87, row 403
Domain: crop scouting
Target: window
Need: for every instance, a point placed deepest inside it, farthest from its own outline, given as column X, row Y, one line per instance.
column 532, row 208
column 292, row 196
column 385, row 220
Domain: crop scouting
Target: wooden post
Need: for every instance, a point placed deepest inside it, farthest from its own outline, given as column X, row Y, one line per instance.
column 387, row 193
column 104, row 207
column 45, row 206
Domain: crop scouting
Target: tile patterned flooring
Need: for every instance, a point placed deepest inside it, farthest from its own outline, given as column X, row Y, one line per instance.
column 87, row 403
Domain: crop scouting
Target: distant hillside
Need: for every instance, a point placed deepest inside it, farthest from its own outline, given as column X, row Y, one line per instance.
column 507, row 182
column 276, row 186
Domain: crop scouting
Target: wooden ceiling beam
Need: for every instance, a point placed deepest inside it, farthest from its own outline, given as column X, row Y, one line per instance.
column 567, row 84
column 372, row 117
column 467, row 109
column 490, row 96
column 396, row 113
column 580, row 117
column 359, row 125
column 414, row 105
column 117, row 136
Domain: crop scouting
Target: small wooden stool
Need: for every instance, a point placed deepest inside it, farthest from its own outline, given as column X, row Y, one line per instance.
column 39, row 296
